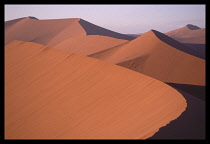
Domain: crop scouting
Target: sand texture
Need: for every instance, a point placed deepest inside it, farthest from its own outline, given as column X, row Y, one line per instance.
column 53, row 94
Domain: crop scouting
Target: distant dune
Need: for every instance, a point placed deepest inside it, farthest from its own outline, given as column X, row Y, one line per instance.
column 53, row 94
column 189, row 34
column 73, row 34
column 158, row 56
column 43, row 31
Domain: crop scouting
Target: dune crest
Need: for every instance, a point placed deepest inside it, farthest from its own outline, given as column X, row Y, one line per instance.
column 52, row 94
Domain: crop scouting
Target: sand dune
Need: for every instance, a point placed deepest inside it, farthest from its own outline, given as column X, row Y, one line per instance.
column 189, row 34
column 73, row 34
column 90, row 44
column 158, row 56
column 52, row 94
column 44, row 31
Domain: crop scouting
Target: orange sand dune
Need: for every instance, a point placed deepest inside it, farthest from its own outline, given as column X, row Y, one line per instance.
column 158, row 56
column 44, row 31
column 90, row 44
column 73, row 34
column 52, row 94
column 189, row 34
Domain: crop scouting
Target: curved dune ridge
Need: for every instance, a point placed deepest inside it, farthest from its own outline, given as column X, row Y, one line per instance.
column 189, row 34
column 152, row 54
column 52, row 94
column 63, row 34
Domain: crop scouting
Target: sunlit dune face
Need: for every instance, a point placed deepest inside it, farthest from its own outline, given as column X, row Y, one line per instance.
column 52, row 94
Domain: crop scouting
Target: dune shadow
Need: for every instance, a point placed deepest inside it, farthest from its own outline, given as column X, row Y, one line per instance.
column 200, row 49
column 31, row 17
column 172, row 42
column 92, row 29
column 194, row 90
column 191, row 123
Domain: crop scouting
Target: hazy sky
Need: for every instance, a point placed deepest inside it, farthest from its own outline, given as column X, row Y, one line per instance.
column 127, row 19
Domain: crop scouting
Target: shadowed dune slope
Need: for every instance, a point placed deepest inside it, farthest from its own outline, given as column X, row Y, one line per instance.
column 92, row 29
column 194, row 90
column 53, row 94
column 200, row 49
column 189, row 34
column 190, row 125
column 152, row 56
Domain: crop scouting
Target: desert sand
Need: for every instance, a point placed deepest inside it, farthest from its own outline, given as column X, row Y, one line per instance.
column 53, row 94
column 89, row 44
column 158, row 56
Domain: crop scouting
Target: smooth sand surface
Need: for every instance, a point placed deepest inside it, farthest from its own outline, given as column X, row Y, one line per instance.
column 152, row 55
column 189, row 34
column 52, row 94
column 89, row 44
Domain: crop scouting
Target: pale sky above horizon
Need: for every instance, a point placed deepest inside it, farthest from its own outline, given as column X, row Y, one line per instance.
column 127, row 19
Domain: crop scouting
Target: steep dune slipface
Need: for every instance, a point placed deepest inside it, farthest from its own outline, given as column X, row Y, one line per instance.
column 189, row 34
column 52, row 94
column 156, row 56
column 92, row 29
